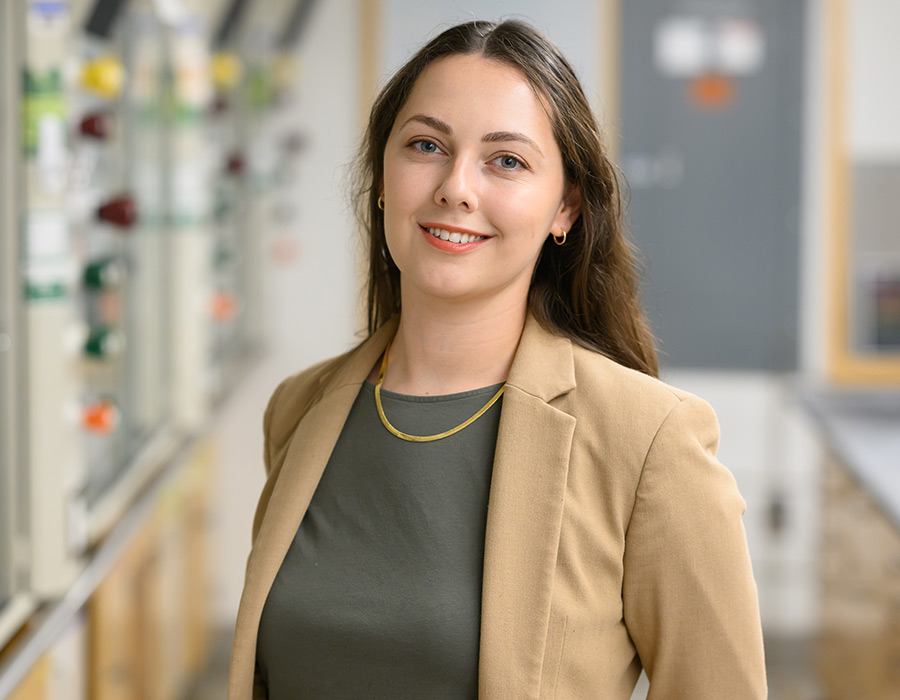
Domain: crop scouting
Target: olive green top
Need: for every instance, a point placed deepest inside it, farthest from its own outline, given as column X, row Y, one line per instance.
column 379, row 595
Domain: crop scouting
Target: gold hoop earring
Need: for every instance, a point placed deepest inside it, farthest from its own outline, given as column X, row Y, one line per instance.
column 381, row 202
column 559, row 240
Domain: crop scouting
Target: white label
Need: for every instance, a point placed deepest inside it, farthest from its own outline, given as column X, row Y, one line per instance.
column 690, row 46
column 51, row 154
column 46, row 235
column 681, row 47
column 48, row 18
column 741, row 46
column 171, row 12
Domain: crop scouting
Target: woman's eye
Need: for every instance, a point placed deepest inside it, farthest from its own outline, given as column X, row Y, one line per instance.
column 426, row 146
column 510, row 163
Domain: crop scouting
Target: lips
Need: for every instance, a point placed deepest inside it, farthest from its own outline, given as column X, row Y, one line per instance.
column 452, row 241
column 454, row 236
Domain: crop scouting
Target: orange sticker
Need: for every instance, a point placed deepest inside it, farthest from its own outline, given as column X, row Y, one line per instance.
column 101, row 417
column 712, row 91
column 224, row 307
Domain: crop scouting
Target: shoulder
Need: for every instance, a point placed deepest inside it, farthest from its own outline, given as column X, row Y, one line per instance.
column 295, row 395
column 604, row 386
column 627, row 421
column 301, row 391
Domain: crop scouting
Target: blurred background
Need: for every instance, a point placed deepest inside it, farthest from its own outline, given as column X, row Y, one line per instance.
column 176, row 237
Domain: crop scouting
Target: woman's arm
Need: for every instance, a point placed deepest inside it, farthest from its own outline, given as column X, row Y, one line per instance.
column 691, row 604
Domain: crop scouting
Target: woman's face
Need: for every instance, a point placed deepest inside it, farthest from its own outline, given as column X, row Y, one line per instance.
column 472, row 156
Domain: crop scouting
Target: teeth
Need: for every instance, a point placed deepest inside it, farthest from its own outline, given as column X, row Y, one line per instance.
column 454, row 237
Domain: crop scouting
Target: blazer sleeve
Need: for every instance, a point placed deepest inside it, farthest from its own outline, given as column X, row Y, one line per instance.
column 271, row 474
column 690, row 601
column 260, row 691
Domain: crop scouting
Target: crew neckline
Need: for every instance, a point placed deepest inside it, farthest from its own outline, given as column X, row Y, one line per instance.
column 369, row 385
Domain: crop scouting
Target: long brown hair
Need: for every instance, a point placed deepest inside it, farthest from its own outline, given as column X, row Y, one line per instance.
column 586, row 289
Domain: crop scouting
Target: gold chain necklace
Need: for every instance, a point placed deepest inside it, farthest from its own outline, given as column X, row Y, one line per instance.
column 424, row 438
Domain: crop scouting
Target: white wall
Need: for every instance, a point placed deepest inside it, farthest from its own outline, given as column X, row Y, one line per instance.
column 571, row 25
column 873, row 92
column 312, row 301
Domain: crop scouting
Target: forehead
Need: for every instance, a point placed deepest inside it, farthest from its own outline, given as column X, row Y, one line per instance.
column 471, row 88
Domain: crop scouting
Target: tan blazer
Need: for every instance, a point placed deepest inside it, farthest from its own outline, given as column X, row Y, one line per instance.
column 614, row 537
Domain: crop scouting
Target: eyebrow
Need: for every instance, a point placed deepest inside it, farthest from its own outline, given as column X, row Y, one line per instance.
column 493, row 137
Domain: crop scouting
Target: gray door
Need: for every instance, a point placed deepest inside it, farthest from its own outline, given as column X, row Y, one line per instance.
column 710, row 122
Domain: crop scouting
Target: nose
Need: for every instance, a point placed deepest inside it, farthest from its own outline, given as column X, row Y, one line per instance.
column 457, row 188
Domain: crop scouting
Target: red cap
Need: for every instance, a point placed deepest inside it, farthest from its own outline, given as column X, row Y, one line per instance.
column 120, row 211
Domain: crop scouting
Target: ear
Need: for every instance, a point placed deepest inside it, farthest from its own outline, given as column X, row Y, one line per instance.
column 569, row 210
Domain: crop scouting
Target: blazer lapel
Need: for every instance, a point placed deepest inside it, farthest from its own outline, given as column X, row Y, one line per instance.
column 524, row 515
column 304, row 463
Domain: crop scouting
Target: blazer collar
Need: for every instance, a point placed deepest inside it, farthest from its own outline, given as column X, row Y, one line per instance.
column 544, row 365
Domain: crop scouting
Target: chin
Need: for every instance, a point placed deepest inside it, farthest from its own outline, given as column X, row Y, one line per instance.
column 452, row 292
column 440, row 287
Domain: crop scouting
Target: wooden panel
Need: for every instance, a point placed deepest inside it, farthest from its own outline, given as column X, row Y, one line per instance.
column 117, row 619
column 859, row 651
column 149, row 619
column 196, row 573
column 35, row 685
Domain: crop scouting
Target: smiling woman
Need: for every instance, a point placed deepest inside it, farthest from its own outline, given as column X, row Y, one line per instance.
column 472, row 153
column 493, row 496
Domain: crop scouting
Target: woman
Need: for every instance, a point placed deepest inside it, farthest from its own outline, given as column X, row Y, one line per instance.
column 493, row 495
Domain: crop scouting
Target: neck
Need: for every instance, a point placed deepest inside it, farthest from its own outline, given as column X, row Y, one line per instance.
column 446, row 348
